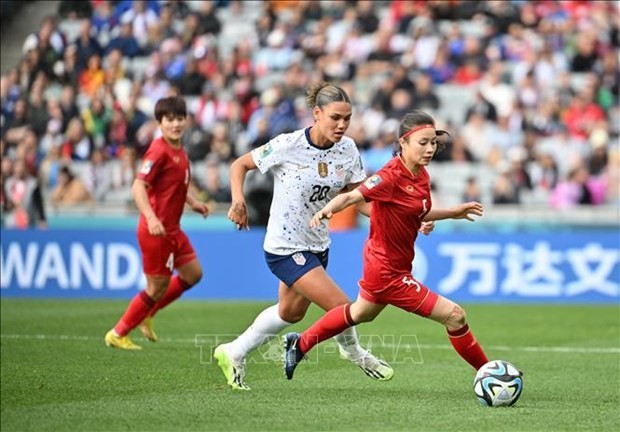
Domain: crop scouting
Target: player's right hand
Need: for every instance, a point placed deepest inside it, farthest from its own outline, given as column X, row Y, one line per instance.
column 238, row 214
column 156, row 228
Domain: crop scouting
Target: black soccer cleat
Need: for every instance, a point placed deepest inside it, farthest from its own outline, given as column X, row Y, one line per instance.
column 292, row 353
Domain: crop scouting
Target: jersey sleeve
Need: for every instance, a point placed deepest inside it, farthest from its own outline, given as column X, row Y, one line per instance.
column 357, row 172
column 377, row 187
column 151, row 165
column 271, row 154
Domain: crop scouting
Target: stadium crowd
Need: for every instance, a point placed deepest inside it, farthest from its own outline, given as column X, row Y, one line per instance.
column 528, row 89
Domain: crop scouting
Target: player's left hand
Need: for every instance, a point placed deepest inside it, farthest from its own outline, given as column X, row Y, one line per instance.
column 201, row 208
column 427, row 227
column 315, row 222
column 468, row 210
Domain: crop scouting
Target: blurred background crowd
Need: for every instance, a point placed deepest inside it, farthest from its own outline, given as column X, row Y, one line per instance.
column 528, row 90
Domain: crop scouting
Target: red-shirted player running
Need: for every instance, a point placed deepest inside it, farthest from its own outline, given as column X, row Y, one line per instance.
column 161, row 191
column 401, row 200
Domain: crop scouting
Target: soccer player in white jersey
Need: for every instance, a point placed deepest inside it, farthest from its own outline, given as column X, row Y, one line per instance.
column 310, row 166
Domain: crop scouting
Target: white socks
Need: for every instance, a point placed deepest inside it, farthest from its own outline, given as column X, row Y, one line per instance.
column 268, row 324
column 348, row 342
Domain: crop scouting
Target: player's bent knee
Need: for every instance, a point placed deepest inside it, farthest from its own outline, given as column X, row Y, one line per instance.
column 292, row 316
column 456, row 319
column 156, row 290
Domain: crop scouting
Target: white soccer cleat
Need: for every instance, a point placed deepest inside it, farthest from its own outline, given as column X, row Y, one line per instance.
column 372, row 366
column 233, row 370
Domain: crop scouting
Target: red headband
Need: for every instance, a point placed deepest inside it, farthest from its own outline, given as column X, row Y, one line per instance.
column 417, row 128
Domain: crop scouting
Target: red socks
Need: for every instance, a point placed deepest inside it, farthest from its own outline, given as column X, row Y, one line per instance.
column 176, row 287
column 137, row 310
column 467, row 346
column 332, row 323
column 339, row 319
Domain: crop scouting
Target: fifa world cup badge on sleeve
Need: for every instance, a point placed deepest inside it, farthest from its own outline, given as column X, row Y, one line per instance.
column 146, row 167
column 372, row 181
column 265, row 150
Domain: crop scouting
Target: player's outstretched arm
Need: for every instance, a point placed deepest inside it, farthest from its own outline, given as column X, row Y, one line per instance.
column 238, row 212
column 461, row 211
column 338, row 203
column 362, row 207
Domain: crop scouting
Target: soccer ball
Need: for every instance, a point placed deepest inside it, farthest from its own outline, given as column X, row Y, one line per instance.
column 498, row 383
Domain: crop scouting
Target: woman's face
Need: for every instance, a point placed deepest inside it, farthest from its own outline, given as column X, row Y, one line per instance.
column 172, row 127
column 419, row 148
column 333, row 120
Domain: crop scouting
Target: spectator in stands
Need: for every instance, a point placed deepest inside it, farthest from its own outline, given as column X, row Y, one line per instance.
column 50, row 166
column 213, row 188
column 73, row 9
column 209, row 22
column 93, row 77
column 141, row 18
column 196, row 141
column 70, row 190
column 472, row 191
column 191, row 81
column 87, row 45
column 23, row 200
column 96, row 119
column 16, row 126
column 124, row 173
column 544, row 172
column 68, row 105
column 125, row 42
column 381, row 149
column 98, row 178
column 581, row 115
column 424, row 96
column 67, row 71
column 27, row 150
column 578, row 189
column 113, row 67
column 504, row 192
column 78, row 144
column 468, row 74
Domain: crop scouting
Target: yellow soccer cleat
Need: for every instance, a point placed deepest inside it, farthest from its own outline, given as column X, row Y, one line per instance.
column 234, row 371
column 122, row 342
column 146, row 328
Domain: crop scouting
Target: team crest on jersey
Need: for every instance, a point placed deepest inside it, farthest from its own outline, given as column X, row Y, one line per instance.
column 372, row 181
column 409, row 188
column 146, row 167
column 265, row 150
column 322, row 169
column 339, row 171
column 299, row 258
column 176, row 159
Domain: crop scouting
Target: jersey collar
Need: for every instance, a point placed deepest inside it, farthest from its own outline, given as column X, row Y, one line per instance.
column 307, row 132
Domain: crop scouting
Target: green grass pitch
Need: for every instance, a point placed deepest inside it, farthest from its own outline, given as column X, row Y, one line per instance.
column 57, row 375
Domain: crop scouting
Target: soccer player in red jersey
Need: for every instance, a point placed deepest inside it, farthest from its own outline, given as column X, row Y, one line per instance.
column 400, row 198
column 161, row 191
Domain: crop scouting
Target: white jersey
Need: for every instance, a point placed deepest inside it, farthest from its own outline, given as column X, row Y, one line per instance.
column 306, row 177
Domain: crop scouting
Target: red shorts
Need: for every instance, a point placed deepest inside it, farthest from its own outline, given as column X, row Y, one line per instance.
column 162, row 254
column 405, row 293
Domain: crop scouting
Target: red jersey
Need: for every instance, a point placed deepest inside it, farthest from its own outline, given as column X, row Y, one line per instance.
column 166, row 170
column 400, row 200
